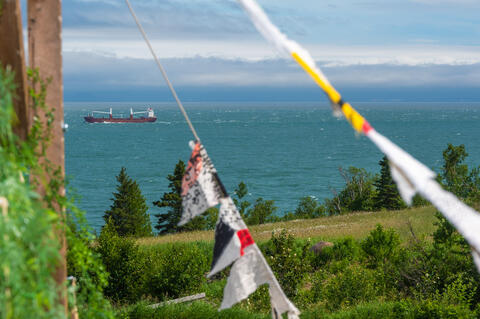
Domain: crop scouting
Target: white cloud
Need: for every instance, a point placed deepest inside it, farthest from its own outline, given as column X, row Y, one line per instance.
column 88, row 70
column 127, row 43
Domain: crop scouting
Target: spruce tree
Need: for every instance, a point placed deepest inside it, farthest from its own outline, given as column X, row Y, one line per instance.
column 168, row 221
column 387, row 195
column 128, row 213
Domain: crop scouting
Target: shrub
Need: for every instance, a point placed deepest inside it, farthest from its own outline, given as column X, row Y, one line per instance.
column 354, row 285
column 307, row 208
column 29, row 245
column 380, row 246
column 343, row 249
column 289, row 260
column 357, row 195
column 125, row 264
column 262, row 212
column 195, row 310
column 178, row 269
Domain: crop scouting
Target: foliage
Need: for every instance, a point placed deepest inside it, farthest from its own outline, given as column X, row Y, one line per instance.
column 288, row 260
column 168, row 221
column 241, row 191
column 457, row 177
column 357, row 195
column 263, row 211
column 178, row 269
column 85, row 265
column 128, row 213
column 387, row 195
column 354, row 285
column 125, row 264
column 195, row 310
column 343, row 249
column 307, row 208
column 380, row 245
column 29, row 246
column 371, row 278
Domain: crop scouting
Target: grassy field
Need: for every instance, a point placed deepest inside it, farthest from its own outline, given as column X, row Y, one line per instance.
column 357, row 225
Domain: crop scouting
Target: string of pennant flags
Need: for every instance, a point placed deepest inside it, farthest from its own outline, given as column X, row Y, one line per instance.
column 410, row 175
column 202, row 188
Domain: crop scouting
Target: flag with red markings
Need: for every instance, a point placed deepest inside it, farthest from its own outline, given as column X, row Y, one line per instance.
column 234, row 244
column 201, row 188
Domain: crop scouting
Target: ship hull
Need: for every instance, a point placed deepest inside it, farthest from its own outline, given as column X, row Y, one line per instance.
column 91, row 119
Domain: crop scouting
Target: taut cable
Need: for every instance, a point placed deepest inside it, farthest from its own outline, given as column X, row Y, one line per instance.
column 179, row 103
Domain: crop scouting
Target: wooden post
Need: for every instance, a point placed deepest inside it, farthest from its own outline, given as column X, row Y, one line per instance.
column 12, row 56
column 45, row 53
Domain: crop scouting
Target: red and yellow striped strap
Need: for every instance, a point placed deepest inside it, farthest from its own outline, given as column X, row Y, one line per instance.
column 357, row 121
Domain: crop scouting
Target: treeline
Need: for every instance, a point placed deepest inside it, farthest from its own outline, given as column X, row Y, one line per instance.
column 363, row 191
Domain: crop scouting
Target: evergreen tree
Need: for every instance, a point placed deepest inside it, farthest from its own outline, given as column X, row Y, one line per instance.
column 241, row 191
column 458, row 178
column 454, row 172
column 128, row 213
column 387, row 195
column 168, row 221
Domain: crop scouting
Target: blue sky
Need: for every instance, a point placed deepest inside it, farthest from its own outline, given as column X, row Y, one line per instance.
column 369, row 49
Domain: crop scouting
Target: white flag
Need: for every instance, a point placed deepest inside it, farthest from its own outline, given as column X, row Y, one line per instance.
column 234, row 244
column 413, row 177
column 410, row 175
column 201, row 188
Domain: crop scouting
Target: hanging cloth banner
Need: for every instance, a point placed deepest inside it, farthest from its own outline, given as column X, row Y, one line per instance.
column 410, row 175
column 201, row 187
column 234, row 244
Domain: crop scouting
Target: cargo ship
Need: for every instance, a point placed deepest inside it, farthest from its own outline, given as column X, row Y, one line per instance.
column 150, row 117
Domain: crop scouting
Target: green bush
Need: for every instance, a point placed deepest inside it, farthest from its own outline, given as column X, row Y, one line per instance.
column 125, row 264
column 357, row 194
column 195, row 310
column 262, row 212
column 178, row 269
column 307, row 208
column 289, row 260
column 406, row 309
column 29, row 245
column 343, row 249
column 380, row 246
column 354, row 285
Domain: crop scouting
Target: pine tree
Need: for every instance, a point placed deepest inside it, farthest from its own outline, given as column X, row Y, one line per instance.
column 128, row 213
column 241, row 191
column 387, row 195
column 168, row 221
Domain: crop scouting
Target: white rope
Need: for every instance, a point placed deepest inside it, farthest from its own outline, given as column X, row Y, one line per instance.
column 179, row 103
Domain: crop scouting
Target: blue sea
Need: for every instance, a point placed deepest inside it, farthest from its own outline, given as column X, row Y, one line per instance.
column 281, row 151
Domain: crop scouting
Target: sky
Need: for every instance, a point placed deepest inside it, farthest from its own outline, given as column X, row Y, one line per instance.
column 369, row 49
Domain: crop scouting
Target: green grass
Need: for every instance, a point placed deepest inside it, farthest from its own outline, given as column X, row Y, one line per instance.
column 357, row 225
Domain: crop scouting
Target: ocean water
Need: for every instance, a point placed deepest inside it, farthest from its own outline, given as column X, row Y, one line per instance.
column 282, row 151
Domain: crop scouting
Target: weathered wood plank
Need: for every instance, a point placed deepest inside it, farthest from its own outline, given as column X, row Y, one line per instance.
column 12, row 55
column 179, row 300
column 45, row 53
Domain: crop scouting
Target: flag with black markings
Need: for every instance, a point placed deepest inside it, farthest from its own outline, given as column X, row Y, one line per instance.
column 201, row 188
column 234, row 244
